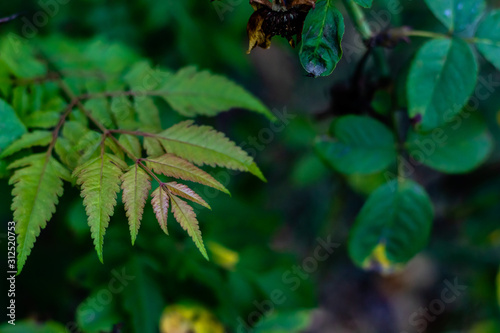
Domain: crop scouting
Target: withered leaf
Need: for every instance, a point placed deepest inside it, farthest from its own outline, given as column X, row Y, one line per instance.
column 281, row 17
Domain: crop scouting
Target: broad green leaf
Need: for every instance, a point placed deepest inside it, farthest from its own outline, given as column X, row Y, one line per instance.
column 186, row 217
column 488, row 35
column 136, row 184
column 458, row 147
column 322, row 34
column 284, row 322
column 392, row 227
column 31, row 326
column 100, row 181
column 364, row 3
column 185, row 192
column 173, row 166
column 37, row 186
column 141, row 297
column 192, row 93
column 442, row 77
column 361, row 145
column 457, row 15
column 11, row 127
column 92, row 319
column 36, row 138
column 161, row 202
column 204, row 145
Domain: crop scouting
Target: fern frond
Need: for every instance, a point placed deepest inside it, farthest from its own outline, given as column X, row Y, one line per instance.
column 173, row 166
column 160, row 203
column 204, row 145
column 35, row 138
column 186, row 217
column 37, row 187
column 136, row 184
column 191, row 92
column 100, row 181
column 185, row 192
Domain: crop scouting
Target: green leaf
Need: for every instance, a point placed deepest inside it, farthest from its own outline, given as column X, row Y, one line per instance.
column 42, row 119
column 186, row 217
column 364, row 3
column 141, row 298
column 136, row 184
column 488, row 33
column 284, row 322
column 173, row 166
column 37, row 187
column 322, row 34
column 131, row 143
column 442, row 77
column 192, row 93
column 100, row 109
column 100, row 181
column 458, row 147
column 392, row 227
column 362, row 145
column 204, row 145
column 18, row 54
column 36, row 138
column 11, row 127
column 457, row 15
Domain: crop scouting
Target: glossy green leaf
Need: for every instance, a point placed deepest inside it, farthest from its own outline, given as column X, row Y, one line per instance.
column 442, row 77
column 321, row 38
column 457, row 15
column 488, row 34
column 362, row 145
column 392, row 227
column 458, row 147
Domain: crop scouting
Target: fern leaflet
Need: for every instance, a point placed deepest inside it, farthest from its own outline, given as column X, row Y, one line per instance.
column 136, row 184
column 160, row 203
column 100, row 181
column 37, row 187
column 204, row 145
column 173, row 166
column 186, row 193
column 186, row 217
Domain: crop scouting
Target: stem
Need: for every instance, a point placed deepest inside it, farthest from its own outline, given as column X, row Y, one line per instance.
column 361, row 24
column 358, row 18
column 426, row 34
